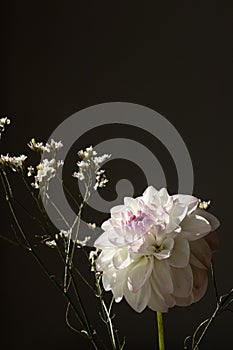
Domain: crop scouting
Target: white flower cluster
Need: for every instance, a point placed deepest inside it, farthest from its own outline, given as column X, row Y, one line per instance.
column 101, row 179
column 93, row 255
column 91, row 163
column 36, row 146
column 3, row 123
column 54, row 146
column 91, row 226
column 204, row 204
column 68, row 234
column 15, row 163
column 51, row 243
column 46, row 170
column 49, row 147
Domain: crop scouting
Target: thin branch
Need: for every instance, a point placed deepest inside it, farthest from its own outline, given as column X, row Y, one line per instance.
column 9, row 240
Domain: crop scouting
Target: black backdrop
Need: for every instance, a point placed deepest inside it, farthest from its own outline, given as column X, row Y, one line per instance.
column 61, row 57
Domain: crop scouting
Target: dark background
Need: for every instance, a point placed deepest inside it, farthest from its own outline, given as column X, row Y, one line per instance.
column 176, row 58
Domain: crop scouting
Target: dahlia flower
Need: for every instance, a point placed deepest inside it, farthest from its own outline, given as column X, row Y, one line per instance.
column 156, row 249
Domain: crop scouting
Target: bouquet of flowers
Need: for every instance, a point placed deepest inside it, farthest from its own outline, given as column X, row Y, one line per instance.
column 154, row 251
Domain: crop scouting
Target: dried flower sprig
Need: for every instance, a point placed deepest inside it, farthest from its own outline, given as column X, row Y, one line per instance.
column 64, row 243
column 3, row 122
column 15, row 163
column 89, row 165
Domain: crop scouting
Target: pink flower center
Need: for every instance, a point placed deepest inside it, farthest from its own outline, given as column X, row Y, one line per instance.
column 132, row 218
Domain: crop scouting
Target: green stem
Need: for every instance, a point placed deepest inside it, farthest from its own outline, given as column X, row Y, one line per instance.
column 160, row 330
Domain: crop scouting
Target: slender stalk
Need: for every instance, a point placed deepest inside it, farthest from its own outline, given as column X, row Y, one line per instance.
column 29, row 247
column 160, row 330
column 195, row 346
column 68, row 191
column 8, row 193
column 214, row 281
column 9, row 240
column 37, row 201
column 106, row 312
column 84, row 315
column 69, row 256
column 57, row 210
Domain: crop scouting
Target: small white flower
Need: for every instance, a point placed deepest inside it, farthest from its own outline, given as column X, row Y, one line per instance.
column 91, row 226
column 65, row 234
column 78, row 175
column 101, row 179
column 93, row 254
column 49, row 147
column 54, row 146
column 204, row 204
column 83, row 165
column 60, row 163
column 92, row 257
column 84, row 242
column 46, row 170
column 68, row 235
column 31, row 171
column 3, row 123
column 156, row 250
column 90, row 164
column 51, row 243
column 15, row 163
column 101, row 159
column 37, row 146
column 88, row 153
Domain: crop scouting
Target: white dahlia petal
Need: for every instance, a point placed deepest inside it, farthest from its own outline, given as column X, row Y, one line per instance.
column 195, row 227
column 115, row 281
column 213, row 241
column 200, row 254
column 170, row 300
column 139, row 300
column 144, row 245
column 151, row 197
column 161, row 277
column 190, row 201
column 117, row 210
column 156, row 302
column 185, row 301
column 121, row 258
column 166, row 200
column 106, row 225
column 109, row 279
column 213, row 221
column 178, row 212
column 103, row 241
column 105, row 259
column 182, row 281
column 180, row 254
column 161, row 287
column 200, row 282
column 166, row 251
column 140, row 273
column 128, row 201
